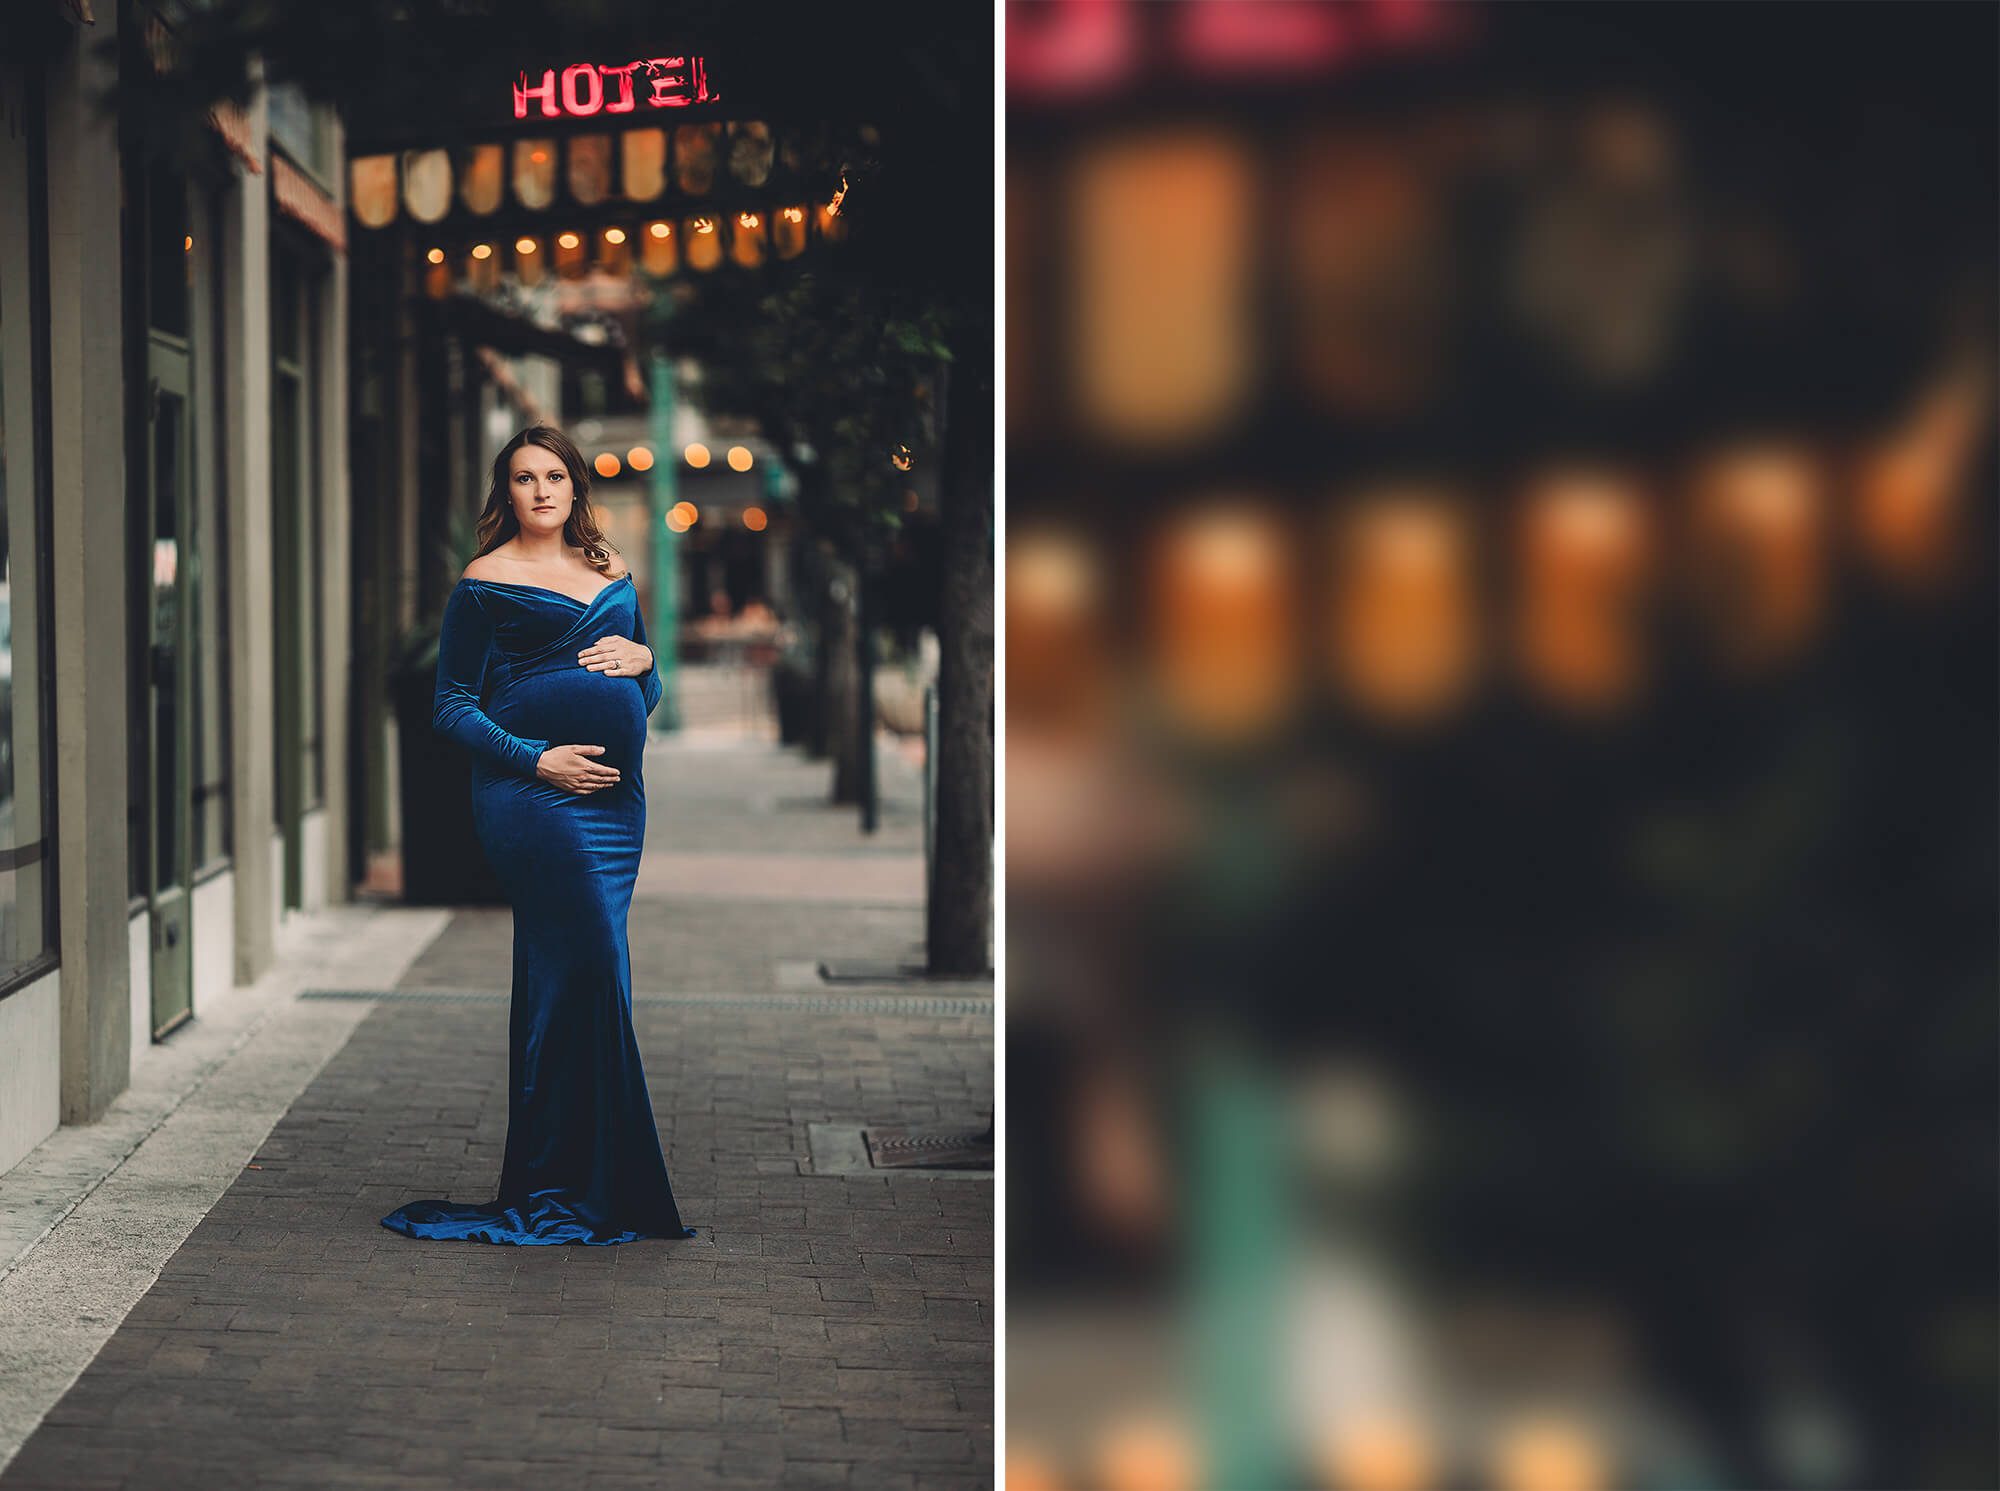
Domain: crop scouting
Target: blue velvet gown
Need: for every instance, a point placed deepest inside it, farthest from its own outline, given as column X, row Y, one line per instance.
column 583, row 1162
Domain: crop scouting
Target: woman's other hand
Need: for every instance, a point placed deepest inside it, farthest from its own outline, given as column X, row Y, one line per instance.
column 619, row 655
column 570, row 767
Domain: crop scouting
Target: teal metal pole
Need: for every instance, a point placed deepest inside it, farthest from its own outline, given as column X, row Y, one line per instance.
column 664, row 490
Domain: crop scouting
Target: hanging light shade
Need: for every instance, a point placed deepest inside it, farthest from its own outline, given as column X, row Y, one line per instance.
column 750, row 152
column 589, row 169
column 535, row 172
column 1223, row 624
column 695, row 149
column 427, row 184
column 747, row 232
column 483, row 178
column 643, row 158
column 788, row 231
column 704, row 242
column 659, row 248
column 372, row 188
column 1405, row 620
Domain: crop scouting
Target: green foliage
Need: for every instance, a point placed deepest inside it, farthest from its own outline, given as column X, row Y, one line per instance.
column 827, row 359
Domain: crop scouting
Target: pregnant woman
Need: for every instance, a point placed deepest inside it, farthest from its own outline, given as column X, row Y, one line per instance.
column 544, row 675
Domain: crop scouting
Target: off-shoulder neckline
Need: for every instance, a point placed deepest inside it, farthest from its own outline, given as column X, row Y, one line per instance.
column 544, row 589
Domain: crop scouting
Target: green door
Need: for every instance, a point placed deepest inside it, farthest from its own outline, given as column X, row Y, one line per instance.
column 169, row 716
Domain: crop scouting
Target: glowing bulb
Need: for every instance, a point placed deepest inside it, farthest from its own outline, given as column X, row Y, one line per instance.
column 614, row 235
column 524, row 245
column 538, row 156
column 639, row 458
column 748, row 219
column 794, row 214
column 901, row 458
column 569, row 240
column 704, row 225
column 677, row 523
column 436, row 256
column 697, row 455
column 687, row 513
column 607, row 465
column 740, row 458
column 187, row 244
column 661, row 230
column 482, row 251
column 754, row 519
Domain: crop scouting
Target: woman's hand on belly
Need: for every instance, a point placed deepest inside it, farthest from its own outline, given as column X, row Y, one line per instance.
column 571, row 768
column 616, row 654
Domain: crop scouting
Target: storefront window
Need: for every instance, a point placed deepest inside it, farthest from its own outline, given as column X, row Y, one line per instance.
column 26, row 888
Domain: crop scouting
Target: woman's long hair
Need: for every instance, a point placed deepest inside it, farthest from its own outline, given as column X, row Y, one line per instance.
column 497, row 522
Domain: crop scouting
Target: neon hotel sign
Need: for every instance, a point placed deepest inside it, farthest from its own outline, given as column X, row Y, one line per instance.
column 587, row 88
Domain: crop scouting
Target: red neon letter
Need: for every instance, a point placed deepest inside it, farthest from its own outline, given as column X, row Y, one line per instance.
column 669, row 87
column 573, row 99
column 622, row 104
column 544, row 90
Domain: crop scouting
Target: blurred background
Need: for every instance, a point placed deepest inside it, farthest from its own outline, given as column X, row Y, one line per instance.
column 1500, row 829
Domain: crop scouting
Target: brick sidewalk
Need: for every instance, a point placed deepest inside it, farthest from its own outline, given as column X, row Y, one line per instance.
column 821, row 1330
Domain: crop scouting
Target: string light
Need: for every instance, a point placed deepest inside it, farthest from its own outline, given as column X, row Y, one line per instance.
column 740, row 458
column 661, row 230
column 607, row 465
column 754, row 519
column 697, row 455
column 614, row 235
column 794, row 214
column 482, row 251
column 639, row 458
column 748, row 219
column 524, row 245
column 704, row 225
column 570, row 241
column 436, row 256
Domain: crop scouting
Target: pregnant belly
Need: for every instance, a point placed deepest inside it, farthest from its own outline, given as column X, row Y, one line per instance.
column 570, row 705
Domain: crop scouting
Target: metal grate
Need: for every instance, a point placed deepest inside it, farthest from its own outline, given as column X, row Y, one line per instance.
column 913, row 1005
column 929, row 1149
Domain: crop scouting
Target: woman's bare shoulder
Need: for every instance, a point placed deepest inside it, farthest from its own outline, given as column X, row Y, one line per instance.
column 491, row 566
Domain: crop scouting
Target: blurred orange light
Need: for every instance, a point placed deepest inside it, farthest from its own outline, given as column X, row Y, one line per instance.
column 1224, row 621
column 187, row 244
column 1548, row 1454
column 525, row 245
column 697, row 455
column 1910, row 486
column 676, row 522
column 793, row 214
column 639, row 458
column 1380, row 1455
column 614, row 235
column 606, row 464
column 740, row 458
column 570, row 241
column 687, row 512
column 704, row 225
column 1147, row 1457
column 1585, row 549
column 1405, row 624
column 538, row 156
column 754, row 519
column 749, row 219
column 1758, row 529
column 482, row 251
column 436, row 256
column 660, row 230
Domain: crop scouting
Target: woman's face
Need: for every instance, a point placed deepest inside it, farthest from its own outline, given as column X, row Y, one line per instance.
column 538, row 484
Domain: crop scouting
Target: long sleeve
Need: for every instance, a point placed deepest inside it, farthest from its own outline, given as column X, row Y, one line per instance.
column 464, row 645
column 650, row 681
